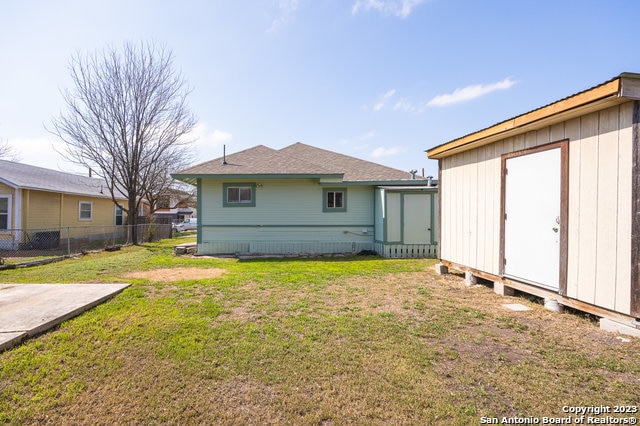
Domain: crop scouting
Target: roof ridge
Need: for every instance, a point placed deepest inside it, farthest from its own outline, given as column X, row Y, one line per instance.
column 344, row 156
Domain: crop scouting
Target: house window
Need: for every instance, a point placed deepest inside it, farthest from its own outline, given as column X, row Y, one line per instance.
column 334, row 200
column 239, row 195
column 4, row 212
column 119, row 216
column 85, row 209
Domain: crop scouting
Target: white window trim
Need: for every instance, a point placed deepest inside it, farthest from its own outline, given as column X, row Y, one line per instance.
column 84, row 219
column 9, row 199
column 115, row 214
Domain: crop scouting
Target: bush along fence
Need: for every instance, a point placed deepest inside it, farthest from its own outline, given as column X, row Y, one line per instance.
column 21, row 245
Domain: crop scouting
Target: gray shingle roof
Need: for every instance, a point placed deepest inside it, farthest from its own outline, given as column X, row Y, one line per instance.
column 25, row 176
column 298, row 159
column 259, row 160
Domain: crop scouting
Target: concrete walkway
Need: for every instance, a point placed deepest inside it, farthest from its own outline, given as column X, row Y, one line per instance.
column 29, row 309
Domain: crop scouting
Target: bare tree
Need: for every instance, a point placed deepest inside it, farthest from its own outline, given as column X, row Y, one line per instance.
column 160, row 183
column 125, row 117
column 7, row 151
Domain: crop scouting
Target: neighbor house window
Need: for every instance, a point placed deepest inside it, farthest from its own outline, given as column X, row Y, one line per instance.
column 335, row 200
column 119, row 216
column 4, row 212
column 239, row 195
column 85, row 210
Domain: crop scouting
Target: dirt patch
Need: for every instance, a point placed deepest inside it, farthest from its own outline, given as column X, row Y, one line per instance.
column 176, row 274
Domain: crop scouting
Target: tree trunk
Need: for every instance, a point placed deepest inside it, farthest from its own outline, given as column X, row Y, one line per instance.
column 133, row 221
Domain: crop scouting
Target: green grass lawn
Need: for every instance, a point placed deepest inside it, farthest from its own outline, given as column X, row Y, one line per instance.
column 359, row 340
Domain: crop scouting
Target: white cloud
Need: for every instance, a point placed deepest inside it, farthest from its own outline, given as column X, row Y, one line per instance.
column 204, row 136
column 383, row 99
column 367, row 136
column 385, row 152
column 209, row 143
column 219, row 136
column 398, row 8
column 406, row 106
column 285, row 12
column 470, row 92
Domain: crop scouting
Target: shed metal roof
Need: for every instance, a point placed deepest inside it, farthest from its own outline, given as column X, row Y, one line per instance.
column 620, row 89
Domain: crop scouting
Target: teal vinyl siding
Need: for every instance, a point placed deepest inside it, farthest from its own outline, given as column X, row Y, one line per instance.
column 284, row 202
column 288, row 216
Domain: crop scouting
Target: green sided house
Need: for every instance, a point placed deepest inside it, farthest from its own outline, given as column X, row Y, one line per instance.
column 305, row 200
column 36, row 202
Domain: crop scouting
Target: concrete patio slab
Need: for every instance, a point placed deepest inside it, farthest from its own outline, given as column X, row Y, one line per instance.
column 29, row 309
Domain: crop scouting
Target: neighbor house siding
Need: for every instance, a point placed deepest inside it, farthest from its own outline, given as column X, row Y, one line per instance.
column 287, row 211
column 44, row 209
column 599, row 222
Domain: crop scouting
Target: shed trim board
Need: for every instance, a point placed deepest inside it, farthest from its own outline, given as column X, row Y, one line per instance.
column 635, row 221
column 562, row 204
column 438, row 254
column 610, row 93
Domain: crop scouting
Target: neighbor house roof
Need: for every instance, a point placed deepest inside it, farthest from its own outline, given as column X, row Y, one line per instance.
column 610, row 93
column 297, row 160
column 24, row 176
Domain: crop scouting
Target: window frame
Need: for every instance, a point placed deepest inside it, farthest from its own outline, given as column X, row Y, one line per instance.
column 8, row 213
column 325, row 200
column 85, row 219
column 225, row 194
column 118, row 213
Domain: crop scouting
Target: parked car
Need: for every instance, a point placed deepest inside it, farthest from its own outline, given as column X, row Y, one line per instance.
column 185, row 225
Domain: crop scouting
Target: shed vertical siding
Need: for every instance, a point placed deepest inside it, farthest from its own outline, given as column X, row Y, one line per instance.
column 600, row 173
column 572, row 132
column 586, row 187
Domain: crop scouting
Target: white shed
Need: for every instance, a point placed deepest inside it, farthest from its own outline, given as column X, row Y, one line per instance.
column 548, row 202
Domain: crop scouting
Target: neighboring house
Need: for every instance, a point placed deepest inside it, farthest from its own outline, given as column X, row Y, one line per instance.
column 176, row 205
column 302, row 199
column 548, row 202
column 35, row 198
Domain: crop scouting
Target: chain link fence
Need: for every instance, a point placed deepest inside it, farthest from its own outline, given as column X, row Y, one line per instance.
column 23, row 245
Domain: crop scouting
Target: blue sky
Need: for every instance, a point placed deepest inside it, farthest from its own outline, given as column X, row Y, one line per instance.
column 381, row 80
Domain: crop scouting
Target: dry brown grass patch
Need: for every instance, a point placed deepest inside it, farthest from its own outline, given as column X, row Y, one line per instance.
column 176, row 274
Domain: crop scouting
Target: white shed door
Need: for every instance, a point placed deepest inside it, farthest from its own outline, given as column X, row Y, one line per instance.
column 417, row 219
column 532, row 218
